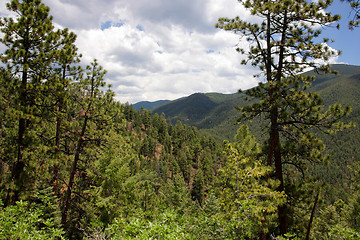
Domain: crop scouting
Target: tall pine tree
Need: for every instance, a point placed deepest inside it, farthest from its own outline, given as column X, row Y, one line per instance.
column 283, row 43
column 92, row 111
column 32, row 49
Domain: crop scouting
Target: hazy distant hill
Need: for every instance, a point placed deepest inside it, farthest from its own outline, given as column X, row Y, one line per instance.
column 149, row 105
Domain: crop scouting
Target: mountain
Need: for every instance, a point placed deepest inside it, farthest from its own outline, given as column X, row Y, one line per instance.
column 188, row 110
column 149, row 105
column 215, row 113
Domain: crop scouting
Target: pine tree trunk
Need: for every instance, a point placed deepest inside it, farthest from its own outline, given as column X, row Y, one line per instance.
column 312, row 217
column 72, row 174
column 57, row 140
column 274, row 153
column 57, row 151
column 274, row 131
column 19, row 165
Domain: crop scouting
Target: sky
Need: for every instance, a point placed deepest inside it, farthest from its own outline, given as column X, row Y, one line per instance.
column 167, row 49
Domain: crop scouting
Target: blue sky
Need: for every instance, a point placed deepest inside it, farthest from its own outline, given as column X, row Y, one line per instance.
column 348, row 41
column 167, row 49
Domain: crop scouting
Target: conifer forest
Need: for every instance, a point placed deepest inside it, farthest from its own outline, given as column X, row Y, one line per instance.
column 76, row 163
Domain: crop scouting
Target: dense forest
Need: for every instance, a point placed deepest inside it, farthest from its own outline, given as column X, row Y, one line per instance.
column 77, row 164
column 215, row 114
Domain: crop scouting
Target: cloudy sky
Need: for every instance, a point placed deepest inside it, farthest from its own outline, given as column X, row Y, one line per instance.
column 166, row 49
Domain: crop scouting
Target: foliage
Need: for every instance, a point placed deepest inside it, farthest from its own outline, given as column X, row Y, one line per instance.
column 21, row 221
column 242, row 189
column 355, row 5
column 332, row 223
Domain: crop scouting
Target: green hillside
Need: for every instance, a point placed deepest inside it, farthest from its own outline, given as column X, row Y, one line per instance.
column 188, row 110
column 215, row 112
column 218, row 116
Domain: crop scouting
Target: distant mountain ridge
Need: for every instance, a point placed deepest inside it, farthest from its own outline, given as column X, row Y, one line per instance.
column 149, row 105
column 216, row 110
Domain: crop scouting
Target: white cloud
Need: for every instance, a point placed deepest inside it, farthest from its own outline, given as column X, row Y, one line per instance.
column 157, row 49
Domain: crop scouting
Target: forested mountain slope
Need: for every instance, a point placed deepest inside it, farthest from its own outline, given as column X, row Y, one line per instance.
column 216, row 112
column 219, row 119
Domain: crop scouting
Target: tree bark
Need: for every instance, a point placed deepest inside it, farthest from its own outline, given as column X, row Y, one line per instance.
column 312, row 217
column 19, row 164
column 275, row 152
column 57, row 139
column 72, row 173
column 57, row 151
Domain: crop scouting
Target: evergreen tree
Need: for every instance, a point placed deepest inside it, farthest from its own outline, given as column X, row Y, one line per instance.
column 65, row 71
column 92, row 108
column 282, row 45
column 32, row 49
column 197, row 191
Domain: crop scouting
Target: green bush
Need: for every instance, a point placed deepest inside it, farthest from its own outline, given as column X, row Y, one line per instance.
column 20, row 221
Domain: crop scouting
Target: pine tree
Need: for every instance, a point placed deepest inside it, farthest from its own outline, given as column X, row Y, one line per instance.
column 32, row 49
column 93, row 110
column 283, row 45
column 65, row 71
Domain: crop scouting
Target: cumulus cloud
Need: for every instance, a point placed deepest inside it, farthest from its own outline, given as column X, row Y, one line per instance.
column 157, row 49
